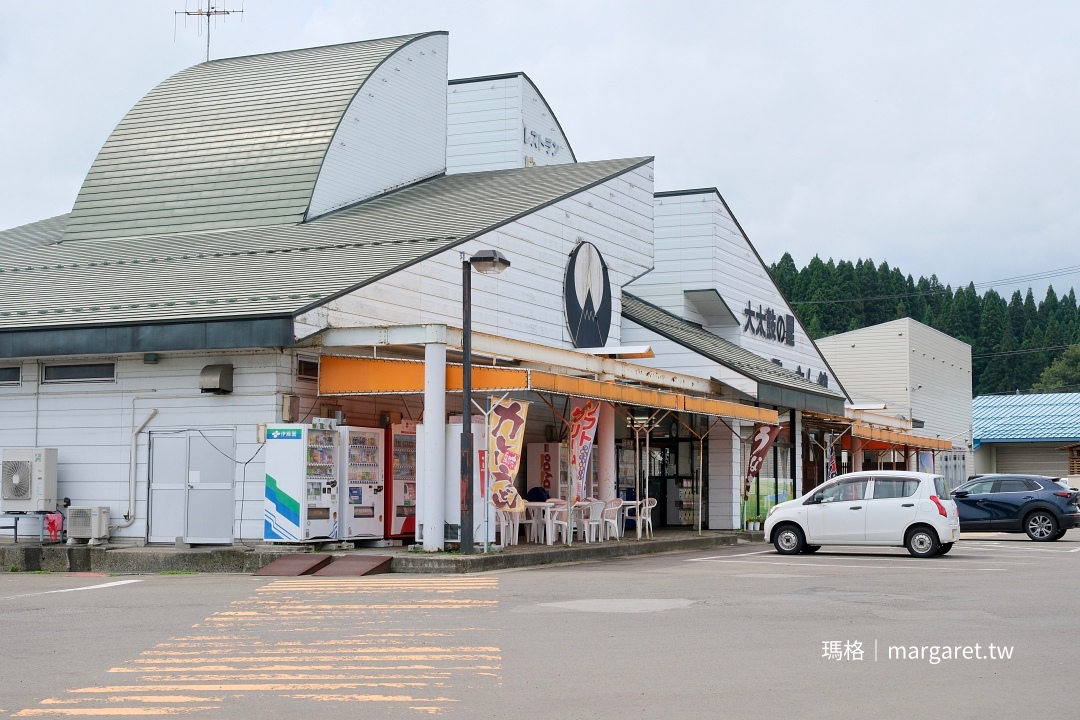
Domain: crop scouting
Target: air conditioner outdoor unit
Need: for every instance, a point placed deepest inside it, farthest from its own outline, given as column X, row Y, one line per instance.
column 28, row 480
column 88, row 523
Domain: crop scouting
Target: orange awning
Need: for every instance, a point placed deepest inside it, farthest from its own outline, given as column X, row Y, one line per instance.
column 898, row 437
column 372, row 376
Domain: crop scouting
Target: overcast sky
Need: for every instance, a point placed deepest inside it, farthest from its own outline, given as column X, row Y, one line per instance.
column 939, row 136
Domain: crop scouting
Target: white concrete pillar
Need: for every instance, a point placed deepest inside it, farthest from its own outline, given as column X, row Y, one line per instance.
column 856, row 454
column 434, row 482
column 605, row 452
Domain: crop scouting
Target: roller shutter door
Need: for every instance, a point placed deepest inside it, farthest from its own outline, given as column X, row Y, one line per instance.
column 1043, row 459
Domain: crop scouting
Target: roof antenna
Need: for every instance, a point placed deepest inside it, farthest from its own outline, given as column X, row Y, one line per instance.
column 211, row 12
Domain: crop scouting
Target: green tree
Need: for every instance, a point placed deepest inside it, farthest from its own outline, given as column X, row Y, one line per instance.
column 1064, row 374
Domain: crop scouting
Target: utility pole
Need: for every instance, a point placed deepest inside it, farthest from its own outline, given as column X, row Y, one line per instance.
column 210, row 12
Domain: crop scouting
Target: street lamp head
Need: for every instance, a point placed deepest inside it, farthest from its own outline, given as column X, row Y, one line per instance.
column 490, row 262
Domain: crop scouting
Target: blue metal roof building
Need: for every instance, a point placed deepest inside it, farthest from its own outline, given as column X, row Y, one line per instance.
column 1025, row 433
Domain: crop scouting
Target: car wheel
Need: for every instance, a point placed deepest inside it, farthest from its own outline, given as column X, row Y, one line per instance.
column 1041, row 526
column 811, row 548
column 944, row 549
column 1060, row 534
column 922, row 542
column 789, row 540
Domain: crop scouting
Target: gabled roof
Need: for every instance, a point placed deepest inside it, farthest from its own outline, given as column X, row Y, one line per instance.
column 696, row 338
column 225, row 144
column 269, row 271
column 1047, row 417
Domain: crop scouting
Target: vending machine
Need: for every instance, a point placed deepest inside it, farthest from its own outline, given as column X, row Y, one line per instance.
column 301, row 491
column 363, row 506
column 400, row 485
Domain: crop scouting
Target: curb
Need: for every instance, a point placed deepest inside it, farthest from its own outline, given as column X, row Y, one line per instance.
column 124, row 561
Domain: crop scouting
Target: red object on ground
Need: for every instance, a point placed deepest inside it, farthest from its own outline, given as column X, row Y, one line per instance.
column 54, row 523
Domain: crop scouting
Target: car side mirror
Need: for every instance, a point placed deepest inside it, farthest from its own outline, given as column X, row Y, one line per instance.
column 819, row 497
column 960, row 493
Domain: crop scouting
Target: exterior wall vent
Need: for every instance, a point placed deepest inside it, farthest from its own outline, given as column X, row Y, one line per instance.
column 216, row 379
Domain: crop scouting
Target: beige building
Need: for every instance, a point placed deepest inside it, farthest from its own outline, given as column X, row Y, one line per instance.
column 920, row 375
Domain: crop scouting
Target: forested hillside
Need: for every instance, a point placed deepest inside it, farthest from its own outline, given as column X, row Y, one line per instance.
column 1014, row 340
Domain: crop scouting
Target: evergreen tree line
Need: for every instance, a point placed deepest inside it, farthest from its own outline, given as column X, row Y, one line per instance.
column 987, row 322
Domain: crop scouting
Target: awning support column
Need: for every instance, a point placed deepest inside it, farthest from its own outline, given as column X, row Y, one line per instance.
column 434, row 482
column 605, row 447
column 856, row 454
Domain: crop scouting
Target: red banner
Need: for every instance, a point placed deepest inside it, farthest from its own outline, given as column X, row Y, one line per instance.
column 760, row 442
column 584, row 417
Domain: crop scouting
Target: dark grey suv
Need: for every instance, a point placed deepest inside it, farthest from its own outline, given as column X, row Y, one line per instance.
column 1043, row 507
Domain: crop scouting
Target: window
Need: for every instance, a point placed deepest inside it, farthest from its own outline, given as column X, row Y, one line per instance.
column 101, row 372
column 845, row 491
column 979, row 488
column 894, row 488
column 1017, row 485
column 307, row 368
column 940, row 488
column 10, row 375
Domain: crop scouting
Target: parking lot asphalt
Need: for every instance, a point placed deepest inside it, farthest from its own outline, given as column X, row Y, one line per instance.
column 738, row 632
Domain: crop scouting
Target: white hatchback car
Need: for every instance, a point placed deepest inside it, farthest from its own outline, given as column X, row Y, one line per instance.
column 897, row 508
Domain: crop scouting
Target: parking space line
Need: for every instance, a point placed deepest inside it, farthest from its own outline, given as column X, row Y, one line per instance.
column 714, row 557
column 921, row 566
column 974, row 545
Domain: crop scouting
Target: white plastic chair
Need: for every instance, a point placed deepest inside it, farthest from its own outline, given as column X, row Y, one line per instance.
column 594, row 520
column 646, row 517
column 534, row 524
column 559, row 525
column 508, row 526
column 611, row 516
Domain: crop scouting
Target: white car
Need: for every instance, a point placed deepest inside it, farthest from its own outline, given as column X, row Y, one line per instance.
column 884, row 507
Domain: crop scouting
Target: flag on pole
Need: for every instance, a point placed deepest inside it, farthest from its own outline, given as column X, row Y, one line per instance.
column 760, row 442
column 505, row 441
column 584, row 417
column 832, row 462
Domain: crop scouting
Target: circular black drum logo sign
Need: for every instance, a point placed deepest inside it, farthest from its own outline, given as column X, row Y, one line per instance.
column 587, row 297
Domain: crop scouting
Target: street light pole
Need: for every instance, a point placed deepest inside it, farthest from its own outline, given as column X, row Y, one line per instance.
column 485, row 261
column 466, row 494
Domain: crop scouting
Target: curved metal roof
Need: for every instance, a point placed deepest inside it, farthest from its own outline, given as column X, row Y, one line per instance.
column 225, row 144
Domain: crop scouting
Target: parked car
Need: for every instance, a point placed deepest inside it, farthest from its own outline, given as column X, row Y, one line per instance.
column 1043, row 507
column 902, row 509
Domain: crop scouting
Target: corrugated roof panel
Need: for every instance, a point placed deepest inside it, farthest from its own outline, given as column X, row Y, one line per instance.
column 696, row 338
column 1017, row 418
column 266, row 270
column 223, row 128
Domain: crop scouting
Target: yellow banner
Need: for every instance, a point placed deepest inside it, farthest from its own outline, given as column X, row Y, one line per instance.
column 505, row 441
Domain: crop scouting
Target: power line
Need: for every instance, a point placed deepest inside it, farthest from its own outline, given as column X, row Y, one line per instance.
column 1025, row 351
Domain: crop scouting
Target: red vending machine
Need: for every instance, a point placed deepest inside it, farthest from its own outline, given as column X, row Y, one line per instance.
column 401, row 480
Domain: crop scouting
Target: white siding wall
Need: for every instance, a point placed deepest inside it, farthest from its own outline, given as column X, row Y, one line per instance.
column 490, row 125
column 874, row 365
column 941, row 385
column 394, row 131
column 91, row 424
column 484, row 126
column 725, row 463
column 549, row 146
column 526, row 301
column 699, row 247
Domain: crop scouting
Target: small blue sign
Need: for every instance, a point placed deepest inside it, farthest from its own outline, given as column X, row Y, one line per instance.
column 356, row 495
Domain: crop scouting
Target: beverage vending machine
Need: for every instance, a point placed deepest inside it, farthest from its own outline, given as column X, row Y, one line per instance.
column 363, row 507
column 400, row 492
column 300, row 500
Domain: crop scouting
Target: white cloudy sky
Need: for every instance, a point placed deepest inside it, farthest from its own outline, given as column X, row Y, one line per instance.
column 940, row 136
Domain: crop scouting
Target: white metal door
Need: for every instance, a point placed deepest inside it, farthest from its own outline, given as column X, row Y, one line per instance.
column 210, row 479
column 168, row 486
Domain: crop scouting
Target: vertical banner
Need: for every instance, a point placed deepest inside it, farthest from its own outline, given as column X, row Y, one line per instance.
column 505, row 440
column 584, row 417
column 832, row 462
column 760, row 443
